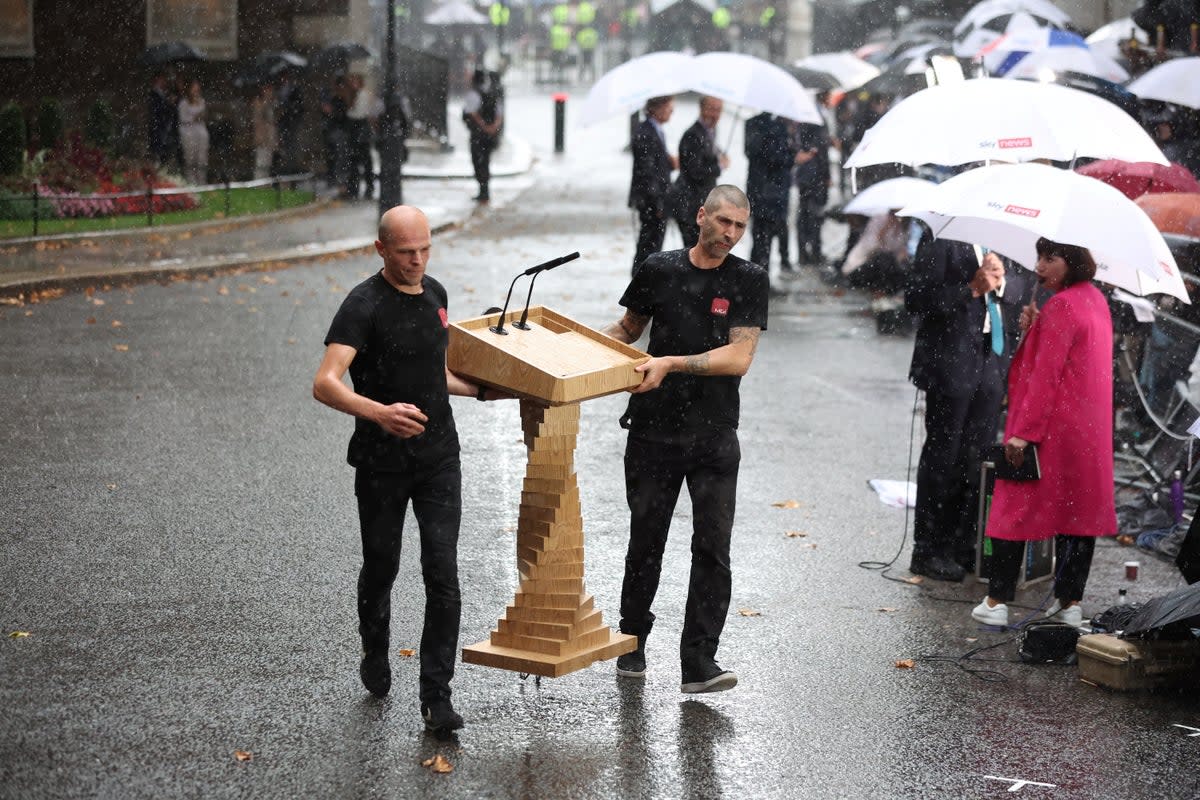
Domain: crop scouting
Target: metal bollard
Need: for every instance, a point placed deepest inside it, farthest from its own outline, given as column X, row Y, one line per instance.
column 560, row 121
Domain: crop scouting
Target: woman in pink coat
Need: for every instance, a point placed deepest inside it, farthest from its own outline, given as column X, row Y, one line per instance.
column 1060, row 399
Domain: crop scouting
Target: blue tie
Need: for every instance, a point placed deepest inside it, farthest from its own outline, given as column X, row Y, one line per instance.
column 997, row 326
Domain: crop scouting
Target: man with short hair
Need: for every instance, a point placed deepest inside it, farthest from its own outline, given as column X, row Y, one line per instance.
column 391, row 335
column 707, row 308
column 700, row 162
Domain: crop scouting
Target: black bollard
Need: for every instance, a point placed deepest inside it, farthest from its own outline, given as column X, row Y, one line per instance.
column 560, row 121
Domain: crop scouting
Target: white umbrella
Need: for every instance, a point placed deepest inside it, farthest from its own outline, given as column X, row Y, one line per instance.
column 456, row 13
column 1176, row 81
column 889, row 195
column 627, row 87
column 1106, row 40
column 996, row 120
column 848, row 69
column 1006, row 208
column 751, row 82
column 1004, row 17
column 1043, row 64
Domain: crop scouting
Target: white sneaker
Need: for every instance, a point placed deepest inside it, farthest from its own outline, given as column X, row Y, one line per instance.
column 1072, row 615
column 991, row 615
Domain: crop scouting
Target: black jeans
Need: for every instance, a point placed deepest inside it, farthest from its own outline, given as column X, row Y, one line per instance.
column 436, row 495
column 651, row 233
column 764, row 231
column 1073, row 556
column 654, row 474
column 481, row 161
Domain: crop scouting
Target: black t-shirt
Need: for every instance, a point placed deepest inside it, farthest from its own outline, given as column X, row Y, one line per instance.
column 400, row 341
column 692, row 311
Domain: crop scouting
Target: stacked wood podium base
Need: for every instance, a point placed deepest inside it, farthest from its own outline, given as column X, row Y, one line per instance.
column 552, row 627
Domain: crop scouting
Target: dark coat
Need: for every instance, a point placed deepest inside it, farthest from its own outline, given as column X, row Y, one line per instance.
column 699, row 167
column 161, row 121
column 651, row 179
column 769, row 178
column 949, row 353
column 812, row 177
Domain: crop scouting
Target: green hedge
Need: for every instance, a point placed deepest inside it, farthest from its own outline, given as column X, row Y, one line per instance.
column 12, row 139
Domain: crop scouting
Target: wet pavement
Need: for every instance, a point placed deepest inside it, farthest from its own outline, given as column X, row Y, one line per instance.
column 180, row 542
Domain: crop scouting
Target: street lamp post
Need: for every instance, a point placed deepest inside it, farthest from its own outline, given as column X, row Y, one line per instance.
column 392, row 127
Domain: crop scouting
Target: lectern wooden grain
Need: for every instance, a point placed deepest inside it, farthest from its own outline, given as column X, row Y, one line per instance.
column 551, row 628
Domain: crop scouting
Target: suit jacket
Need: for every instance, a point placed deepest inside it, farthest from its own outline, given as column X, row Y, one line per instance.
column 771, row 152
column 951, row 349
column 651, row 169
column 699, row 167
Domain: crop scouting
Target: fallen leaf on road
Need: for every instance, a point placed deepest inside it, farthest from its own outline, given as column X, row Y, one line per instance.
column 116, row 323
column 243, row 755
column 905, row 663
column 11, row 301
column 292, row 340
column 438, row 764
column 914, row 580
column 972, row 639
column 91, row 320
column 121, row 348
column 749, row 612
column 795, row 534
column 96, row 301
column 267, row 279
column 885, row 609
column 407, row 652
column 112, row 487
column 222, row 290
column 18, row 634
column 787, row 504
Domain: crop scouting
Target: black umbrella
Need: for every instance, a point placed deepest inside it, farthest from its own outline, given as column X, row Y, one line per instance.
column 336, row 56
column 171, row 52
column 813, row 78
column 1178, row 610
column 895, row 82
column 267, row 66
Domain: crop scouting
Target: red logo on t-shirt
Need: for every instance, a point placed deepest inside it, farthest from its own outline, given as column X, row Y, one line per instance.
column 720, row 306
column 444, row 318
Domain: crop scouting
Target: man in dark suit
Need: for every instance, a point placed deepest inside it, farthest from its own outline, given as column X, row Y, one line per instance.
column 969, row 305
column 771, row 152
column 651, row 181
column 700, row 162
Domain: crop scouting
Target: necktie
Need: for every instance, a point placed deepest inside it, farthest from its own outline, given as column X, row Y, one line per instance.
column 997, row 326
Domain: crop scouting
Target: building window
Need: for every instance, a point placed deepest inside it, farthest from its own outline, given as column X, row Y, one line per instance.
column 16, row 28
column 210, row 25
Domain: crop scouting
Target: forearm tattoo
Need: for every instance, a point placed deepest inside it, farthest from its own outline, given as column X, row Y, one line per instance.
column 621, row 324
column 697, row 364
column 739, row 335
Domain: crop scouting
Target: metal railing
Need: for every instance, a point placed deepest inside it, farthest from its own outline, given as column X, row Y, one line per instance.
column 37, row 198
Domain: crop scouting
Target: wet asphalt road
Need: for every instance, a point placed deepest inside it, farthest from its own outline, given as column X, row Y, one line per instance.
column 180, row 542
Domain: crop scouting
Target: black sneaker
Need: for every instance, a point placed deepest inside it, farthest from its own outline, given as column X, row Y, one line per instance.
column 632, row 665
column 376, row 672
column 440, row 717
column 711, row 678
column 937, row 567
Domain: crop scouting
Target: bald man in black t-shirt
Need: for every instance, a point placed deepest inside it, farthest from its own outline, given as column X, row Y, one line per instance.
column 391, row 335
column 705, row 309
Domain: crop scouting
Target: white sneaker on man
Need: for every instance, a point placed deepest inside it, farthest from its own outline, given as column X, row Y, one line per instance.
column 1072, row 615
column 996, row 615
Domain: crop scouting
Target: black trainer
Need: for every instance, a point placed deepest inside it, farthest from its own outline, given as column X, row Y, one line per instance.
column 376, row 672
column 632, row 665
column 440, row 717
column 709, row 678
column 937, row 567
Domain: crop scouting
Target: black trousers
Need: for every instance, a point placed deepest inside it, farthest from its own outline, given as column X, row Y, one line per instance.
column 481, row 162
column 957, row 428
column 651, row 234
column 810, row 215
column 654, row 474
column 689, row 231
column 1073, row 555
column 436, row 496
column 763, row 231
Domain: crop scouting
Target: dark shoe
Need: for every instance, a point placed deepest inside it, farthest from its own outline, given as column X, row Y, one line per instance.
column 710, row 678
column 440, row 717
column 632, row 665
column 786, row 266
column 376, row 672
column 937, row 567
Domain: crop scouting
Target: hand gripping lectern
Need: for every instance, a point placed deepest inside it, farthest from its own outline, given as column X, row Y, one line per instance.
column 552, row 365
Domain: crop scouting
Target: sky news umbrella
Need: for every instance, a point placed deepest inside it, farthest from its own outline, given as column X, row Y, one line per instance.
column 1028, row 52
column 985, row 119
column 889, row 195
column 1137, row 178
column 849, row 70
column 1173, row 213
column 1107, row 39
column 1007, row 207
column 1176, row 81
column 1180, row 609
column 750, row 82
column 626, row 88
column 970, row 40
column 171, row 53
column 1045, row 64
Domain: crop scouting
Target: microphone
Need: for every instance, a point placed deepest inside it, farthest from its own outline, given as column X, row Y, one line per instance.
column 498, row 328
column 535, row 271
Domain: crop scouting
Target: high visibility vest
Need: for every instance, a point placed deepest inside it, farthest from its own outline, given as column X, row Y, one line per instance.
column 585, row 13
column 499, row 14
column 561, row 14
column 560, row 37
column 587, row 38
column 721, row 17
column 767, row 17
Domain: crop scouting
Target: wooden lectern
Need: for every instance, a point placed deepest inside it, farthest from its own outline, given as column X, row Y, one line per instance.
column 551, row 628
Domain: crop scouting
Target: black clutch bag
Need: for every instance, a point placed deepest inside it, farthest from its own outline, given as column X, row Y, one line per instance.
column 1030, row 469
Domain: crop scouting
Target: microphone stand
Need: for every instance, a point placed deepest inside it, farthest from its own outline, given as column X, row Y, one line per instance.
column 525, row 314
column 535, row 271
column 498, row 328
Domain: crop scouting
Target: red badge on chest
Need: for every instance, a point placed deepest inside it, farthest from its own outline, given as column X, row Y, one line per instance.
column 445, row 319
column 720, row 306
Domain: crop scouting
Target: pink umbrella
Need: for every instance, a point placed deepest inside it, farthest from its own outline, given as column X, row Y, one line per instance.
column 1136, row 178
